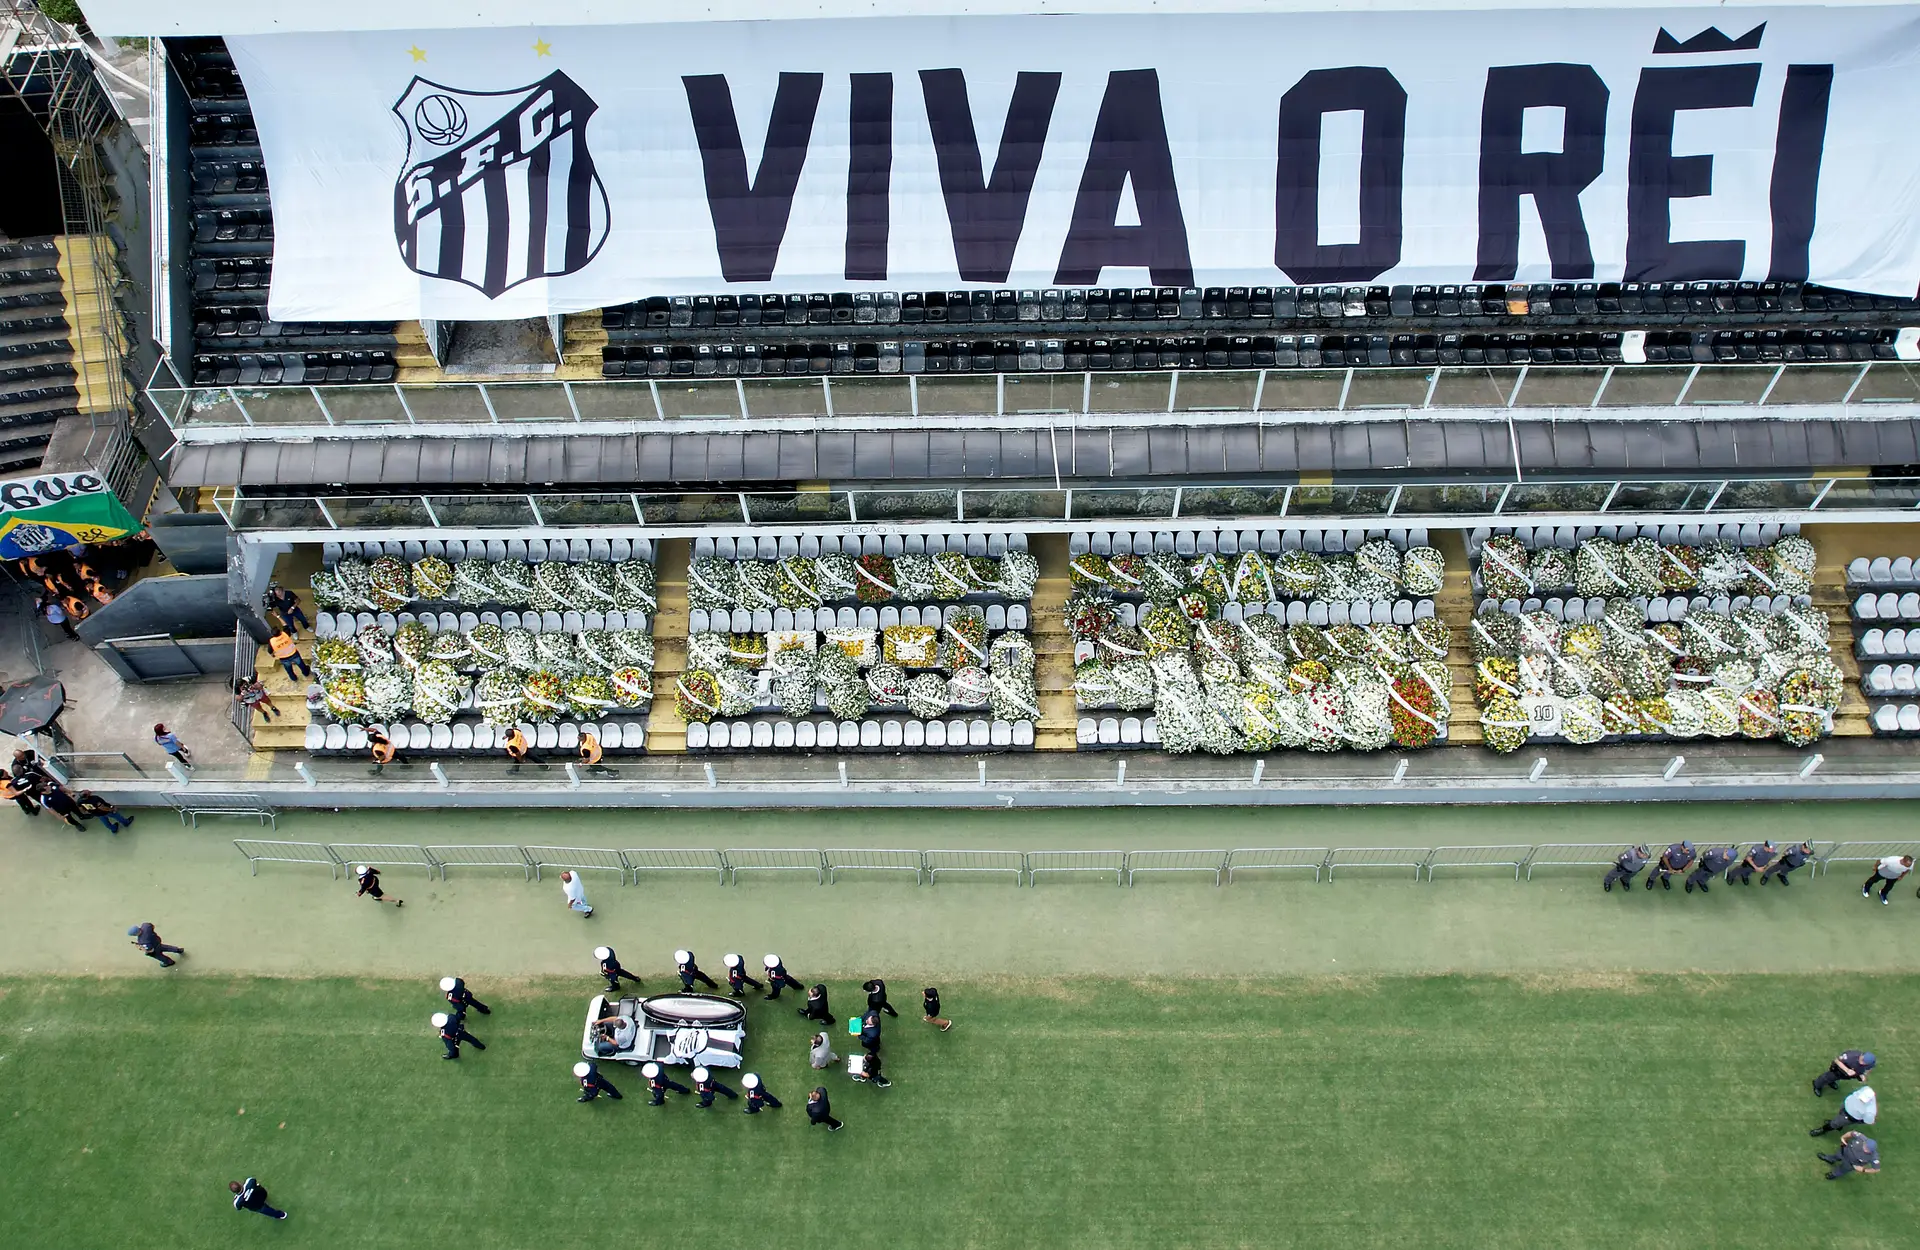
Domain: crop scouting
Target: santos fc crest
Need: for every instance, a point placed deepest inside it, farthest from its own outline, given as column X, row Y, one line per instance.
column 499, row 186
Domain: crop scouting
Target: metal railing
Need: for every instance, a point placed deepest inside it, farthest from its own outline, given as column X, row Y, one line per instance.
column 240, row 715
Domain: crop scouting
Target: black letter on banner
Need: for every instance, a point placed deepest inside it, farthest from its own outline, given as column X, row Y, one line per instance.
column 1129, row 140
column 869, row 176
column 987, row 216
column 1655, row 176
column 750, row 218
column 1383, row 147
column 1554, row 179
column 1796, row 168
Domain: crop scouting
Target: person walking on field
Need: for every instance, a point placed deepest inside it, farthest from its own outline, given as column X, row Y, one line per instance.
column 1759, row 855
column 821, row 1056
column 757, row 1094
column 286, row 650
column 816, row 1006
column 1889, row 870
column 453, row 1031
column 92, row 805
column 169, row 742
column 459, row 997
column 592, row 1084
column 1862, row 1106
column 1852, row 1065
column 576, row 892
column 930, row 1005
column 820, row 1111
column 1858, row 1153
column 877, row 997
column 737, row 978
column 251, row 1195
column 1790, row 859
column 610, row 969
column 706, row 1086
column 148, row 940
column 369, row 878
column 778, row 976
column 658, row 1083
column 689, row 970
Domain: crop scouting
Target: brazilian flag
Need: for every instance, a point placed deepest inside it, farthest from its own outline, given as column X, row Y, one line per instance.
column 43, row 514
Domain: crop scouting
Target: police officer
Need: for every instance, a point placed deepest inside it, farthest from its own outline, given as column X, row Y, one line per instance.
column 705, row 1086
column 816, row 1008
column 777, row 976
column 453, row 1031
column 683, row 963
column 1759, row 855
column 461, row 998
column 820, row 1111
column 147, row 938
column 870, row 1032
column 1862, row 1106
column 1852, row 1065
column 592, row 1084
column 1858, row 1153
column 737, row 978
column 610, row 969
column 1790, row 859
column 877, row 997
column 1676, row 858
column 1631, row 861
column 369, row 878
column 658, row 1083
column 1716, row 861
column 757, row 1095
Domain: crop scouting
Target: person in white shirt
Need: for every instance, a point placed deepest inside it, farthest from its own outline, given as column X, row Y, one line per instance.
column 822, row 1055
column 576, row 891
column 1861, row 1107
column 1891, row 869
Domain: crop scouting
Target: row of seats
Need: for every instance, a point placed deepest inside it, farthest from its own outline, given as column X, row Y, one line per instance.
column 1891, row 721
column 1747, row 534
column 1888, row 606
column 347, row 624
column 1658, row 610
column 1889, row 681
column 1891, row 643
column 41, row 369
column 292, row 368
column 463, row 736
column 1321, row 303
column 527, row 550
column 772, row 547
column 32, row 299
column 878, row 734
column 29, row 277
column 233, row 225
column 232, row 273
column 1233, row 542
column 228, row 177
column 1111, row 731
column 779, row 620
column 223, row 130
column 249, row 321
column 1897, row 572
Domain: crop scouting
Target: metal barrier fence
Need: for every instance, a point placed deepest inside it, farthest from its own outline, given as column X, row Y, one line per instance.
column 1024, row 866
column 193, row 806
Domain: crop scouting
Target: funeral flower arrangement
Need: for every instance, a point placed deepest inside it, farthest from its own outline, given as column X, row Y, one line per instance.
column 390, row 585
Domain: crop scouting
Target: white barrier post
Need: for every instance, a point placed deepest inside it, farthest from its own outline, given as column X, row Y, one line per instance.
column 179, row 772
column 1674, row 766
column 843, row 774
column 714, row 782
column 1539, row 767
column 1400, row 771
column 573, row 777
column 983, row 774
column 439, row 774
column 1120, row 778
column 306, row 774
column 1259, row 771
column 1813, row 761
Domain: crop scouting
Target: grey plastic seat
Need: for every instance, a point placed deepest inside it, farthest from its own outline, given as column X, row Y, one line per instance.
column 890, row 616
column 1317, row 613
column 823, row 619
column 336, row 737
column 996, row 545
column 1017, row 616
column 697, row 736
column 1228, row 543
column 1403, row 612
column 937, row 543
column 1099, row 543
column 697, row 621
column 1297, row 612
column 806, row 735
column 869, row 618
column 1358, row 612
column 997, row 617
column 1184, row 543
column 329, row 554
column 846, row 618
column 1164, row 541
column 891, row 545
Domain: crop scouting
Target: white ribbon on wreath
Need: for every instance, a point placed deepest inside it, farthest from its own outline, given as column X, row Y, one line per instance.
column 1499, row 556
column 812, row 592
column 1663, row 640
column 1013, row 695
column 680, row 685
column 861, row 570
column 1495, row 682
column 636, row 690
column 1753, row 569
column 752, row 594
column 968, row 643
column 1759, row 712
column 530, row 695
column 640, row 592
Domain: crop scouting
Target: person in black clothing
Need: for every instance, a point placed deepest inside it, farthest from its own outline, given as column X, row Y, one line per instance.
column 737, row 978
column 820, row 1111
column 251, row 1195
column 283, row 602
column 705, row 1086
column 592, row 1084
column 870, row 1032
column 689, row 970
column 91, row 805
column 870, row 1071
column 461, row 998
column 22, row 792
column 453, row 1031
column 816, row 1007
column 1716, row 861
column 1852, row 1065
column 930, row 1006
column 658, row 1083
column 1676, row 858
column 62, row 804
column 1790, row 859
column 1759, row 855
column 877, row 997
column 1631, row 861
column 778, row 977
column 610, row 969
column 1858, row 1153
column 151, row 946
column 369, row 878
column 757, row 1095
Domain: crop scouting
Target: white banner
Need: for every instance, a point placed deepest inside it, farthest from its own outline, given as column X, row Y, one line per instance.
column 498, row 173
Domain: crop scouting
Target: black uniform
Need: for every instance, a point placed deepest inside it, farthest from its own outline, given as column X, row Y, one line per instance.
column 738, row 981
column 1631, row 861
column 659, row 1085
column 758, row 1098
column 1790, row 859
column 709, row 1087
column 870, row 1032
column 870, row 1070
column 592, row 1085
column 1759, row 855
column 370, row 884
column 610, row 969
column 152, row 947
column 1716, row 861
column 460, row 998
column 60, row 803
column 690, row 972
column 1676, row 858
column 1852, row 1065
column 1860, row 1154
column 816, row 1008
column 777, row 977
column 454, row 1033
column 877, row 997
column 820, row 1110
column 253, row 1197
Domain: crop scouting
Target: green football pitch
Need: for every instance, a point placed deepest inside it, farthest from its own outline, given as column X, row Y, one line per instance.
column 1571, row 1110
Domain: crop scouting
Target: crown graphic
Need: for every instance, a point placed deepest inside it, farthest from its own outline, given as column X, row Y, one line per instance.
column 1712, row 39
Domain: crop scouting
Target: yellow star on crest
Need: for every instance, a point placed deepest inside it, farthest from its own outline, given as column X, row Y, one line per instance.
column 418, row 54
column 542, row 48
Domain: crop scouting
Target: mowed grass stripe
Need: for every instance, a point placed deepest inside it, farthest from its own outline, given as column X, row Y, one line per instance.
column 1442, row 1111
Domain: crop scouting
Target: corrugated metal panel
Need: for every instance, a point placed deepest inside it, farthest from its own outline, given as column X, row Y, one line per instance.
column 189, row 466
column 1859, row 442
column 1279, row 452
column 1387, row 443
column 400, row 464
column 436, row 461
column 547, row 460
column 1718, row 443
column 726, row 458
column 910, row 456
column 1789, row 442
column 620, row 460
column 1167, row 451
column 1129, row 453
column 797, row 462
column 760, row 457
column 1206, row 450
column 946, row 454
column 1315, row 444
column 689, row 456
column 1608, row 443
column 330, row 461
column 1242, row 450
column 1572, row 448
column 656, row 459
column 835, row 451
column 507, row 462
column 1898, row 443
column 982, row 449
column 1087, row 453
column 1426, row 445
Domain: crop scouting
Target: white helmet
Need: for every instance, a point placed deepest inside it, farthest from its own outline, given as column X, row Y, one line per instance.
column 701, row 1074
column 582, row 1068
column 771, row 961
column 683, row 957
column 361, row 870
column 731, row 961
column 440, row 1019
column 603, row 952
column 751, row 1081
column 650, row 1070
column 447, row 984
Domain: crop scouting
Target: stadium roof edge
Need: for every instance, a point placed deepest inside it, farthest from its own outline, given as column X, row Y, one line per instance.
column 134, row 18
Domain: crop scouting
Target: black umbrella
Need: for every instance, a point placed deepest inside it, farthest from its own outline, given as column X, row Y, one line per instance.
column 31, row 705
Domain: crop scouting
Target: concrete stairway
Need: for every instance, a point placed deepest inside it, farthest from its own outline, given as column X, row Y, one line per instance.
column 666, row 732
column 1052, row 646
